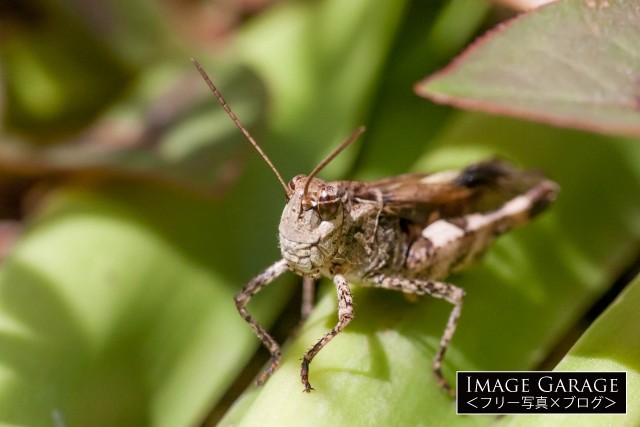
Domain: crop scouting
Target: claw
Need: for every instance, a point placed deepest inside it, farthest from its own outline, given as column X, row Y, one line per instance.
column 304, row 376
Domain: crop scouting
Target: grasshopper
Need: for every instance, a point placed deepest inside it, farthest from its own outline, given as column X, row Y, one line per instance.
column 405, row 233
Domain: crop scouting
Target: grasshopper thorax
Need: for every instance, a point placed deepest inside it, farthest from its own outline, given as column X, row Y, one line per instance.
column 310, row 224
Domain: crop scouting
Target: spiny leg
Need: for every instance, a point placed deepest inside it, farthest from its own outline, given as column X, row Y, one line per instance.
column 345, row 315
column 452, row 323
column 446, row 291
column 308, row 296
column 243, row 298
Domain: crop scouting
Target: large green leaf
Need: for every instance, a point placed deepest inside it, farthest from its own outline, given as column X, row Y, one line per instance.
column 111, row 313
column 610, row 344
column 574, row 63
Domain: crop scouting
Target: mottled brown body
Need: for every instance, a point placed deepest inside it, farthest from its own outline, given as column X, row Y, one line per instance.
column 404, row 233
column 368, row 230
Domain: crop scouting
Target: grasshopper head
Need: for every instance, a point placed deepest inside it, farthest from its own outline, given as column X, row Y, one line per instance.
column 310, row 224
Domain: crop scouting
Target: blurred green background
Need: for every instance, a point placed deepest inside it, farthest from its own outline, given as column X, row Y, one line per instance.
column 132, row 210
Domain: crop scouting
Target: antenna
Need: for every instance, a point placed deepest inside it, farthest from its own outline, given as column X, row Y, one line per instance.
column 332, row 156
column 238, row 123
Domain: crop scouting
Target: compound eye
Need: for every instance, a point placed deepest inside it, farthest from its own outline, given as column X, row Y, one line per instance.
column 328, row 203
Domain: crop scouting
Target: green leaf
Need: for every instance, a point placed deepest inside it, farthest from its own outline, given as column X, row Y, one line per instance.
column 572, row 63
column 111, row 313
column 610, row 344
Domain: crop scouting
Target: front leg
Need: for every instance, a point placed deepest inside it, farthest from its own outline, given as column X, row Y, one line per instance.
column 243, row 298
column 345, row 315
column 446, row 291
